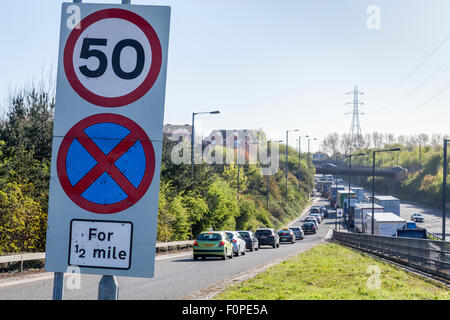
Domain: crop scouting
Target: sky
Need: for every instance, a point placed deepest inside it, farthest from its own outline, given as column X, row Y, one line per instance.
column 275, row 65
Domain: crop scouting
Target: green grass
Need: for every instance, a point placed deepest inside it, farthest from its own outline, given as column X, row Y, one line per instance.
column 334, row 272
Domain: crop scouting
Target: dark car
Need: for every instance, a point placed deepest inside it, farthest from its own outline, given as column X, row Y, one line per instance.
column 299, row 234
column 309, row 227
column 267, row 237
column 251, row 242
column 287, row 235
column 329, row 166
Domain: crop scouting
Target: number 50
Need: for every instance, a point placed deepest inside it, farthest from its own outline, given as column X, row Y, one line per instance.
column 87, row 52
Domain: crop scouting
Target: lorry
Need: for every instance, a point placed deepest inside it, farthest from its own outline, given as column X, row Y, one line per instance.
column 360, row 214
column 341, row 196
column 326, row 188
column 411, row 230
column 333, row 194
column 385, row 223
column 359, row 192
column 389, row 203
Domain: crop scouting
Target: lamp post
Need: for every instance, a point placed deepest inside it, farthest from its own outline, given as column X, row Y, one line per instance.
column 193, row 138
column 444, row 189
column 287, row 149
column 299, row 158
column 267, row 177
column 373, row 183
column 350, row 156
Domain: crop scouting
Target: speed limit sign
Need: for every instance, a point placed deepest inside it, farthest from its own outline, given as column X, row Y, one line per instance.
column 107, row 139
column 113, row 58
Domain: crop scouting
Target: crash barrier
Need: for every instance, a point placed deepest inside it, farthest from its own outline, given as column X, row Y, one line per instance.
column 430, row 256
column 160, row 247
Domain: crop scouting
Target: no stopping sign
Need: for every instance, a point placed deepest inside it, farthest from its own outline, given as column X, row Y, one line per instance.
column 112, row 58
column 106, row 163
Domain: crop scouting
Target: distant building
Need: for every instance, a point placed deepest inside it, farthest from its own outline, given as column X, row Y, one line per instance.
column 319, row 156
column 232, row 137
column 174, row 132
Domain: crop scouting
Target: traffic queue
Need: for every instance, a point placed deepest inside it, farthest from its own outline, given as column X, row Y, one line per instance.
column 226, row 244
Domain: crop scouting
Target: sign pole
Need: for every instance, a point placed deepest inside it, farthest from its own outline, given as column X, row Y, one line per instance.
column 58, row 280
column 58, row 285
column 108, row 288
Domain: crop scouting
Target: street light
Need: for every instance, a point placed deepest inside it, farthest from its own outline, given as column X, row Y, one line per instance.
column 350, row 156
column 287, row 148
column 444, row 189
column 299, row 158
column 192, row 138
column 373, row 183
column 267, row 177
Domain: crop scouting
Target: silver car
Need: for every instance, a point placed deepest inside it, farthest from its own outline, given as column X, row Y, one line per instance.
column 239, row 246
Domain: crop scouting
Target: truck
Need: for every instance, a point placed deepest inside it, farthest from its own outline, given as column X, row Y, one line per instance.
column 341, row 196
column 385, row 223
column 360, row 214
column 359, row 192
column 333, row 194
column 326, row 188
column 389, row 203
column 411, row 230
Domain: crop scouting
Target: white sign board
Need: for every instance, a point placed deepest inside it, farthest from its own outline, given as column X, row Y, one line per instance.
column 107, row 139
column 100, row 244
column 339, row 213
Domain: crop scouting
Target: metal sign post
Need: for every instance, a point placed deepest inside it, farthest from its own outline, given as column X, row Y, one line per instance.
column 107, row 142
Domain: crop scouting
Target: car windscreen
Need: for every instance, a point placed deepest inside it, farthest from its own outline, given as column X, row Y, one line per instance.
column 263, row 233
column 209, row 237
column 245, row 234
column 309, row 224
column 295, row 229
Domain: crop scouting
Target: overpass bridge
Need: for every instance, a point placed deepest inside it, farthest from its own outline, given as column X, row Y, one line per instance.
column 324, row 167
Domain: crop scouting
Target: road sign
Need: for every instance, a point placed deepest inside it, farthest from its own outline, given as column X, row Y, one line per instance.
column 107, row 139
column 114, row 58
column 339, row 213
column 106, row 163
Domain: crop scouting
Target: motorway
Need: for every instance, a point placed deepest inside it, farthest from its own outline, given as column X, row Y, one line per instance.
column 175, row 276
column 433, row 216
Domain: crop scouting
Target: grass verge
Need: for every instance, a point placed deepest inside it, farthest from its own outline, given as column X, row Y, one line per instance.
column 333, row 272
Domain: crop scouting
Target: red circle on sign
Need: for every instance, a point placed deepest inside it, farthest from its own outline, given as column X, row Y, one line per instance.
column 143, row 88
column 105, row 163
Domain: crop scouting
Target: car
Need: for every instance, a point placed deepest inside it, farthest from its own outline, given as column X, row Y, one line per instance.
column 317, row 216
column 400, row 169
column 251, row 242
column 324, row 210
column 317, row 209
column 287, row 235
column 299, row 234
column 268, row 237
column 239, row 246
column 213, row 244
column 329, row 166
column 417, row 217
column 309, row 227
column 313, row 220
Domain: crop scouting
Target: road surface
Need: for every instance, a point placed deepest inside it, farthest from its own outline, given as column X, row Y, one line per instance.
column 175, row 277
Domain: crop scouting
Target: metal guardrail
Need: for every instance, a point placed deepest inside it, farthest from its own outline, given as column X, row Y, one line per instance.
column 430, row 256
column 160, row 247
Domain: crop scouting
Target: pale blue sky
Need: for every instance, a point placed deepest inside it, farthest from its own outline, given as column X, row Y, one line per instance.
column 275, row 65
